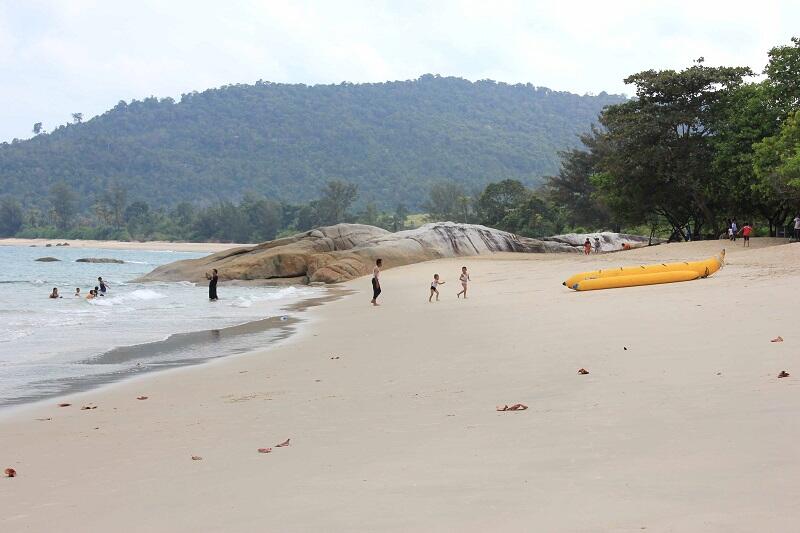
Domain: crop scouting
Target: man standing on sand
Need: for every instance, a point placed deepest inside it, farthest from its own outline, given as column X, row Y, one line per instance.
column 376, row 282
column 212, row 284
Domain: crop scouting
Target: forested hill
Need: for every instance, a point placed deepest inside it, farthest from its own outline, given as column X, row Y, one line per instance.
column 285, row 141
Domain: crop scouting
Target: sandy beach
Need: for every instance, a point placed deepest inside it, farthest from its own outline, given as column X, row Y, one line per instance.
column 124, row 245
column 680, row 425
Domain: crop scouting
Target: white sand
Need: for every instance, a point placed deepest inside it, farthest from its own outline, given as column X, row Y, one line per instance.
column 688, row 429
column 125, row 245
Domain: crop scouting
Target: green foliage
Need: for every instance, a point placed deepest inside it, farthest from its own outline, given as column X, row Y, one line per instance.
column 11, row 216
column 447, row 201
column 64, row 204
column 392, row 140
column 777, row 160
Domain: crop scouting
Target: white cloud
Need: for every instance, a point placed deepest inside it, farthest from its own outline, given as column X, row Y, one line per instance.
column 59, row 57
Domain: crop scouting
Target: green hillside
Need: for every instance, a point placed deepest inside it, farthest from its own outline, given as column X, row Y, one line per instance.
column 392, row 139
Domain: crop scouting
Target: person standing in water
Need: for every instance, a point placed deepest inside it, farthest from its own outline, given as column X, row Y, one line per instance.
column 212, row 284
column 102, row 285
column 464, row 279
column 376, row 282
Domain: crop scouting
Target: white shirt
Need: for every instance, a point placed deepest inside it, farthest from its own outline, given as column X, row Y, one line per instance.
column 797, row 222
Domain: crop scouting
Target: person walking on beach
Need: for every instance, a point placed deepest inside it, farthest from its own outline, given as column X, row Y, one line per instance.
column 597, row 245
column 734, row 230
column 102, row 284
column 212, row 284
column 464, row 279
column 797, row 228
column 376, row 282
column 435, row 287
column 746, row 230
column 587, row 247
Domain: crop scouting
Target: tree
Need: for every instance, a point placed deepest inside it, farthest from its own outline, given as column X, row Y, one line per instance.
column 263, row 215
column 783, row 77
column 777, row 163
column 115, row 200
column 337, row 197
column 655, row 152
column 77, row 118
column 572, row 189
column 37, row 128
column 399, row 218
column 444, row 202
column 498, row 199
column 11, row 216
column 64, row 203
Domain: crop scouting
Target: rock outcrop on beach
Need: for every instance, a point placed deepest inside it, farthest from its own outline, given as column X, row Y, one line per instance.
column 99, row 260
column 342, row 252
column 609, row 242
column 47, row 259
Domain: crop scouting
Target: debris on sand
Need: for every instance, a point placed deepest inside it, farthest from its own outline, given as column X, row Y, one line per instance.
column 196, row 458
column 64, row 404
column 583, row 371
column 515, row 407
column 266, row 450
column 87, row 407
column 282, row 444
column 10, row 472
column 783, row 374
column 141, row 397
column 777, row 339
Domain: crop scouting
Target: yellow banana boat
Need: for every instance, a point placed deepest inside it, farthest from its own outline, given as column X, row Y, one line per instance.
column 617, row 282
column 702, row 268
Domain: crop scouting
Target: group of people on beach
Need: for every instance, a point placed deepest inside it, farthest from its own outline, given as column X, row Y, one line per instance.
column 434, row 288
column 99, row 290
column 734, row 230
column 588, row 246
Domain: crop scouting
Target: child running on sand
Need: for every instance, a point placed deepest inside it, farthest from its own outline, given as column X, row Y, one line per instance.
column 434, row 287
column 464, row 278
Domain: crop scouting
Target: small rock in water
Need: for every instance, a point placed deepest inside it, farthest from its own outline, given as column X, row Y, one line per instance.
column 47, row 259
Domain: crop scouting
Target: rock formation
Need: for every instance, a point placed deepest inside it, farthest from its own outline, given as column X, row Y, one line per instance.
column 47, row 259
column 342, row 252
column 609, row 242
column 99, row 260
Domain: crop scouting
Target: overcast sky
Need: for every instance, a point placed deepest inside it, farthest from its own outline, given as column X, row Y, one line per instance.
column 63, row 56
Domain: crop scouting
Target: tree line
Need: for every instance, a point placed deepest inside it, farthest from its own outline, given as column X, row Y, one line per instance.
column 694, row 149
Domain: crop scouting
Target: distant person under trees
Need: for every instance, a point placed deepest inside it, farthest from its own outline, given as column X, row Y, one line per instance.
column 797, row 228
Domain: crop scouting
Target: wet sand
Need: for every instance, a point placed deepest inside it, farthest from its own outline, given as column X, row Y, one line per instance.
column 681, row 424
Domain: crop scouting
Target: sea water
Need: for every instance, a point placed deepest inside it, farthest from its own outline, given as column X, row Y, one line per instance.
column 51, row 346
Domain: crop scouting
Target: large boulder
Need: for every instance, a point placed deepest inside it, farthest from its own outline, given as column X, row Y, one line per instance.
column 609, row 242
column 99, row 260
column 342, row 252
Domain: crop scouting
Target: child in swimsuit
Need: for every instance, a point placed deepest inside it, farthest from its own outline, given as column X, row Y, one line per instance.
column 464, row 278
column 435, row 287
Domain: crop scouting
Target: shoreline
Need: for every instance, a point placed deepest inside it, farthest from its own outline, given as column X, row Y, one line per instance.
column 392, row 421
column 270, row 330
column 155, row 246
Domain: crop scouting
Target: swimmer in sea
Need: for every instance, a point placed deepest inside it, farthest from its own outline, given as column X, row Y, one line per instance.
column 55, row 294
column 90, row 296
column 78, row 292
